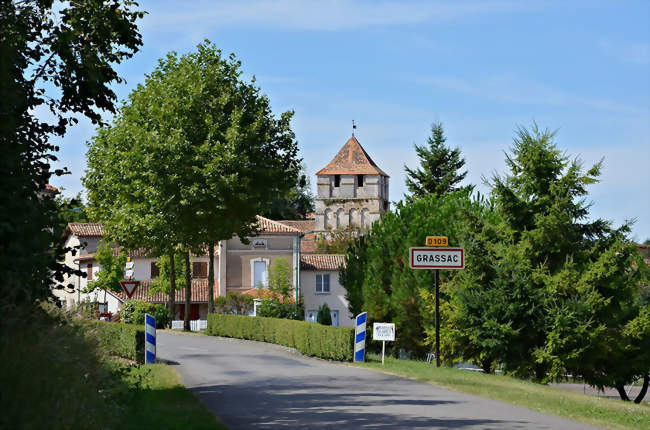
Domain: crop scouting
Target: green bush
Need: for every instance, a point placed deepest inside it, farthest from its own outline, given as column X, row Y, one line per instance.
column 133, row 313
column 324, row 315
column 316, row 340
column 122, row 340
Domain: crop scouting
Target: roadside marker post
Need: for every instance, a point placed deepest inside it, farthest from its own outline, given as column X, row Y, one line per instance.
column 360, row 337
column 150, row 339
column 384, row 332
column 436, row 259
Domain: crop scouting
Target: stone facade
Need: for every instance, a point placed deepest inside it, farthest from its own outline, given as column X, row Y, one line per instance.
column 352, row 191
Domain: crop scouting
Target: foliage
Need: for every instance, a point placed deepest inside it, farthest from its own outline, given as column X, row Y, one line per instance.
column 296, row 203
column 193, row 157
column 275, row 307
column 377, row 276
column 70, row 50
column 324, row 315
column 161, row 284
column 122, row 340
column 440, row 166
column 333, row 343
column 133, row 313
column 280, row 278
column 112, row 270
column 70, row 209
column 233, row 303
column 337, row 241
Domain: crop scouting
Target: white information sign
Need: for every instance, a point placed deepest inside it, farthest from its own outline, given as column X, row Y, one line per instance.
column 437, row 258
column 383, row 331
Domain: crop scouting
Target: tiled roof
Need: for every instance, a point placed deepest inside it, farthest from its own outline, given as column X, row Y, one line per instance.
column 199, row 293
column 51, row 189
column 269, row 226
column 308, row 243
column 85, row 229
column 352, row 159
column 301, row 224
column 322, row 261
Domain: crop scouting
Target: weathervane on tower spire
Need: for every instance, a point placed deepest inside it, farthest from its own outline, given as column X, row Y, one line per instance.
column 354, row 127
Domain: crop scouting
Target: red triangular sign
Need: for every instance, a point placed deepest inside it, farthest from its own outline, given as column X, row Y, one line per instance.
column 129, row 287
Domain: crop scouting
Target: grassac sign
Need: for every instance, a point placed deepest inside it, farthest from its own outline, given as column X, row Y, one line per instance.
column 437, row 258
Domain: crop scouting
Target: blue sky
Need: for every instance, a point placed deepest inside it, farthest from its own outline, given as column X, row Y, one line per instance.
column 481, row 68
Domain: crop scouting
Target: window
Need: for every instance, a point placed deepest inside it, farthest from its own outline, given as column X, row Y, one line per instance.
column 322, row 284
column 200, row 269
column 359, row 180
column 155, row 271
column 337, row 180
column 90, row 272
column 103, row 308
column 259, row 273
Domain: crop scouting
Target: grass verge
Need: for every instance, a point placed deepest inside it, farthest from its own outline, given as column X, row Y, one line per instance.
column 601, row 412
column 56, row 374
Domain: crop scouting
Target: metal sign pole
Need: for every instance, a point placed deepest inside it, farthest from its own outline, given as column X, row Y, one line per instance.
column 437, row 281
column 383, row 351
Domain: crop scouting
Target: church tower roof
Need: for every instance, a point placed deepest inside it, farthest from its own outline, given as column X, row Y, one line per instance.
column 352, row 159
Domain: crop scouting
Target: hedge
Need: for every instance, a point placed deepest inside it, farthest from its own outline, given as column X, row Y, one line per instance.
column 309, row 338
column 122, row 340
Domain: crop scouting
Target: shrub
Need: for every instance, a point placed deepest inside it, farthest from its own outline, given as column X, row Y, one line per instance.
column 334, row 343
column 324, row 315
column 133, row 313
column 122, row 340
column 233, row 303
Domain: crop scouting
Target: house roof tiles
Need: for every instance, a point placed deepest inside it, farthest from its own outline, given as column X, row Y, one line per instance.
column 322, row 261
column 269, row 226
column 85, row 229
column 352, row 159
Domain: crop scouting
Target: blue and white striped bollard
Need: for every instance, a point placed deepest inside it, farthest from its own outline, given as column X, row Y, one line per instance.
column 360, row 337
column 150, row 339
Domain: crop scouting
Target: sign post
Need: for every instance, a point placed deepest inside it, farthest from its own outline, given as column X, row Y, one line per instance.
column 150, row 339
column 360, row 337
column 436, row 259
column 384, row 332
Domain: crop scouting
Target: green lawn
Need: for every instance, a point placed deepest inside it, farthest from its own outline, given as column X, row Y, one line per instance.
column 606, row 413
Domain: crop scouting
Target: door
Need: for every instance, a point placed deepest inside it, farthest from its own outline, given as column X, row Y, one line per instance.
column 335, row 317
column 259, row 273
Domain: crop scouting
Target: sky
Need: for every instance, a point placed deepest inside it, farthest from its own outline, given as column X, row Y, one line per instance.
column 481, row 68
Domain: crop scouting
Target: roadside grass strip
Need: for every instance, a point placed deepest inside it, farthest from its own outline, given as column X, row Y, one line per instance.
column 597, row 411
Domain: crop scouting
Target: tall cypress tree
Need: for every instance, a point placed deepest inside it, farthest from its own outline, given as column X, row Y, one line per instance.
column 440, row 167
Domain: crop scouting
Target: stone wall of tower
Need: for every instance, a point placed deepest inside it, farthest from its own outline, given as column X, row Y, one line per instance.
column 350, row 204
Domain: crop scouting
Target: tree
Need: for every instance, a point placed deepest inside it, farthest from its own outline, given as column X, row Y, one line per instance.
column 280, row 278
column 193, row 157
column 112, row 270
column 440, row 166
column 296, row 203
column 168, row 270
column 71, row 52
column 324, row 315
column 70, row 209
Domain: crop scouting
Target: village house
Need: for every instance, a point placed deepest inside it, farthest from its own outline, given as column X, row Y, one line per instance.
column 352, row 192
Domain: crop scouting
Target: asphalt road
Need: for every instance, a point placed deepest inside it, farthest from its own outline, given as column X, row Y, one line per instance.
column 251, row 385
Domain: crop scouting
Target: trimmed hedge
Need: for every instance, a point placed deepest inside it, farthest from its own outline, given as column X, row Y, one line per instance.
column 122, row 340
column 309, row 338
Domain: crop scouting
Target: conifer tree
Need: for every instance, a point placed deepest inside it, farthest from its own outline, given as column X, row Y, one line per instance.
column 440, row 167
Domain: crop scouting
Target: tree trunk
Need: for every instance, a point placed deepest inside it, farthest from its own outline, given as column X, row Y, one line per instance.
column 621, row 392
column 486, row 365
column 172, row 288
column 644, row 389
column 211, row 279
column 188, row 291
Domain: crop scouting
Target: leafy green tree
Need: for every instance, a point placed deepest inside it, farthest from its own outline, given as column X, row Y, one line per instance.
column 280, row 278
column 112, row 270
column 193, row 157
column 71, row 51
column 324, row 315
column 440, row 167
column 70, row 209
column 168, row 270
column 296, row 203
column 352, row 274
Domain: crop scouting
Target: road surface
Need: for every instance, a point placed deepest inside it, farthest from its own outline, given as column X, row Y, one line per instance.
column 251, row 385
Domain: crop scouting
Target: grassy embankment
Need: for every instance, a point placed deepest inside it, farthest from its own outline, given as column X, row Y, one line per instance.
column 601, row 412
column 54, row 374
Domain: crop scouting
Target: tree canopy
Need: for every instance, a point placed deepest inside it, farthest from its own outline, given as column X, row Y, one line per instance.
column 440, row 167
column 71, row 52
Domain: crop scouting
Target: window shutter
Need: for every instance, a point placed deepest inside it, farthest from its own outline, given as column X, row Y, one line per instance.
column 196, row 269
column 90, row 272
column 326, row 283
column 155, row 271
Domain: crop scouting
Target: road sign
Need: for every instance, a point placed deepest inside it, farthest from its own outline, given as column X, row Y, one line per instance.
column 437, row 241
column 383, row 331
column 128, row 270
column 150, row 339
column 360, row 337
column 129, row 287
column 437, row 258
